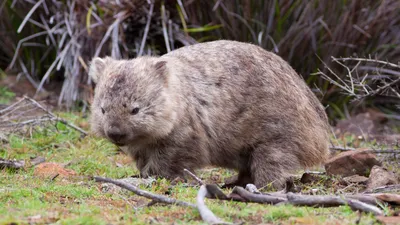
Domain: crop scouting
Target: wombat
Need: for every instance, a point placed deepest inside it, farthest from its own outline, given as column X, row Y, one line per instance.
column 221, row 103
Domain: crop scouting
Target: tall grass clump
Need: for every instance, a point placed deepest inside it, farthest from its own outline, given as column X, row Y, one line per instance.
column 309, row 33
column 45, row 36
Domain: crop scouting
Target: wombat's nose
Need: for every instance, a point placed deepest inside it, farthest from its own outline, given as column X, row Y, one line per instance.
column 116, row 134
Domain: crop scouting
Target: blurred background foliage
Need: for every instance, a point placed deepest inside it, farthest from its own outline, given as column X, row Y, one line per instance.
column 50, row 43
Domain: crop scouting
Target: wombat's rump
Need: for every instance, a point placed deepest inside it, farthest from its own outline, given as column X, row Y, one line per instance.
column 221, row 103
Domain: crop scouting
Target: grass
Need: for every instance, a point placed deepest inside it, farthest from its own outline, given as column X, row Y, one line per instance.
column 26, row 197
column 305, row 33
column 6, row 95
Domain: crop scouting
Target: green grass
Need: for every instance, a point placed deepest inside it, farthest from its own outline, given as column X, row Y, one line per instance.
column 26, row 197
column 6, row 95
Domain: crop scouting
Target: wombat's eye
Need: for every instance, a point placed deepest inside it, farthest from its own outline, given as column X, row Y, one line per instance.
column 102, row 110
column 135, row 111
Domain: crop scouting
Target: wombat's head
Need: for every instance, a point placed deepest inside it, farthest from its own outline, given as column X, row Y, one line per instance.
column 132, row 101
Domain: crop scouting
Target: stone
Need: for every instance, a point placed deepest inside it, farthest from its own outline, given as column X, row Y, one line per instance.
column 356, row 179
column 357, row 162
column 380, row 176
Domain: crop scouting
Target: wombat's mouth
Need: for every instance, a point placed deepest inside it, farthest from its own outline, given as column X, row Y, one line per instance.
column 138, row 138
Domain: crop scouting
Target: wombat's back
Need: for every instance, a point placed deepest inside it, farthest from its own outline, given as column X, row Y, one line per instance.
column 245, row 96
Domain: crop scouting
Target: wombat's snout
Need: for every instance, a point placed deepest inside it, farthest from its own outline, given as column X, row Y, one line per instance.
column 116, row 135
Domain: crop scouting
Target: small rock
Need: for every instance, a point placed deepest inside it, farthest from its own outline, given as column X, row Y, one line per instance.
column 37, row 160
column 380, row 177
column 314, row 191
column 350, row 163
column 356, row 179
column 252, row 188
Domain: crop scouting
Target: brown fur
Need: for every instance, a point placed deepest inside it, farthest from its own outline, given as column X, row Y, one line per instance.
column 221, row 103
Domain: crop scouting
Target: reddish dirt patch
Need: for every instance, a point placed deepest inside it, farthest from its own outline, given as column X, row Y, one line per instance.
column 50, row 170
column 389, row 220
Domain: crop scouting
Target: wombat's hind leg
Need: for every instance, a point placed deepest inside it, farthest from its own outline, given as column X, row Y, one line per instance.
column 242, row 179
column 270, row 164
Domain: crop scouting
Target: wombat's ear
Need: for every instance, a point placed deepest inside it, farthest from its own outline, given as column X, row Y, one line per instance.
column 161, row 69
column 96, row 68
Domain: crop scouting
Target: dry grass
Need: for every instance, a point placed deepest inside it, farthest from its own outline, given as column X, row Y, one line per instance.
column 60, row 38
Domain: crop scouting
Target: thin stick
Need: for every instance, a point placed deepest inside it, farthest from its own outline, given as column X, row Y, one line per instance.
column 394, row 187
column 381, row 151
column 29, row 15
column 206, row 214
column 316, row 201
column 56, row 118
column 380, row 89
column 194, row 176
column 369, row 199
column 26, row 122
column 15, row 164
column 259, row 198
column 368, row 60
column 143, row 193
column 146, row 29
column 164, row 27
column 332, row 201
column 364, row 207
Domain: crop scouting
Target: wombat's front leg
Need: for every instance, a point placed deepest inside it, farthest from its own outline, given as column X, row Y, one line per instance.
column 158, row 165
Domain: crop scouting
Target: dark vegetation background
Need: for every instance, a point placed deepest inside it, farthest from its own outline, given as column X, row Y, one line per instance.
column 50, row 43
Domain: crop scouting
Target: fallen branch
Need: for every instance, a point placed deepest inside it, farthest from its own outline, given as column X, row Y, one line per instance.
column 369, row 199
column 215, row 192
column 364, row 207
column 361, row 202
column 365, row 203
column 143, row 193
column 315, row 200
column 258, row 198
column 390, row 198
column 206, row 214
column 14, row 164
column 394, row 187
column 377, row 151
column 11, row 106
column 194, row 177
column 332, row 201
